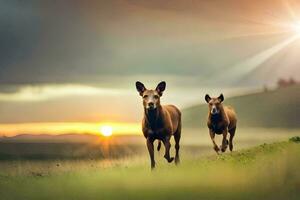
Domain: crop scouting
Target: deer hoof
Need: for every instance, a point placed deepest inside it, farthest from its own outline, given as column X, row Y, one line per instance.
column 169, row 159
column 223, row 148
column 216, row 148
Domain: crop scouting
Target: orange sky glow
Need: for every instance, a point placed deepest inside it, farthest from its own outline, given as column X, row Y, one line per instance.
column 55, row 128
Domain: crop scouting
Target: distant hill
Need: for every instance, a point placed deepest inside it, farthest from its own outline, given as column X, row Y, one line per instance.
column 271, row 109
column 78, row 138
column 70, row 138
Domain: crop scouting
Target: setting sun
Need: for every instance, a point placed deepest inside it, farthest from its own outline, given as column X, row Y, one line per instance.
column 296, row 27
column 106, row 131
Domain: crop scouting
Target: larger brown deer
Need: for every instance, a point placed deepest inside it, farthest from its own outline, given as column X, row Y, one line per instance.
column 159, row 122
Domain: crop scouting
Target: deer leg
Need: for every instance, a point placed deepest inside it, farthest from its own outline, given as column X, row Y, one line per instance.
column 224, row 141
column 212, row 136
column 177, row 146
column 232, row 133
column 150, row 147
column 167, row 144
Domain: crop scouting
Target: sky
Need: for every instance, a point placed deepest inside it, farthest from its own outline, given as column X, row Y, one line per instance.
column 77, row 61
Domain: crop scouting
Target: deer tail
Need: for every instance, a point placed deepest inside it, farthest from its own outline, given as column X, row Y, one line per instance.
column 159, row 145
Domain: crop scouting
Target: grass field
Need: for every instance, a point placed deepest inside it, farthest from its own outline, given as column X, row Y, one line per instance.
column 268, row 171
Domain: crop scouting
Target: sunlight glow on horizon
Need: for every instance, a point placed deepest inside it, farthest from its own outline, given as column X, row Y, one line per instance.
column 58, row 128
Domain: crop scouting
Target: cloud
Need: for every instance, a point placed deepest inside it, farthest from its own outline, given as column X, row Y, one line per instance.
column 46, row 92
column 82, row 43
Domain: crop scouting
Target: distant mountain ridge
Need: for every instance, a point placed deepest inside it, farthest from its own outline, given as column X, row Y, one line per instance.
column 72, row 138
column 53, row 138
column 278, row 108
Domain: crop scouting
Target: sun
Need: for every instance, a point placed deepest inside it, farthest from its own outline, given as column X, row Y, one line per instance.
column 296, row 27
column 106, row 130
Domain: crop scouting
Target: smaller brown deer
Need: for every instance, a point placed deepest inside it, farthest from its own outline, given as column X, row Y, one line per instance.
column 159, row 122
column 221, row 120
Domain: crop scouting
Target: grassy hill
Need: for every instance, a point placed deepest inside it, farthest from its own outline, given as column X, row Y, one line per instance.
column 268, row 171
column 272, row 109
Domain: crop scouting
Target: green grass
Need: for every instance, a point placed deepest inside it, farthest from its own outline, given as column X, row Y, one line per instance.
column 273, row 109
column 268, row 171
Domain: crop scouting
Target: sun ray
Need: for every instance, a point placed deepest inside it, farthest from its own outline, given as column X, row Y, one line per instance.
column 290, row 11
column 247, row 66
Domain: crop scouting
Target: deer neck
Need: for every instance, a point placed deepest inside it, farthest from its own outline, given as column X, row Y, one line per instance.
column 153, row 117
column 218, row 117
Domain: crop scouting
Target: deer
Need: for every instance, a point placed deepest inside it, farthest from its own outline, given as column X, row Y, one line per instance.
column 221, row 121
column 160, row 122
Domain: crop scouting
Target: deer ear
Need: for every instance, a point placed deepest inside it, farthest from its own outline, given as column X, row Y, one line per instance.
column 161, row 87
column 221, row 97
column 207, row 98
column 140, row 87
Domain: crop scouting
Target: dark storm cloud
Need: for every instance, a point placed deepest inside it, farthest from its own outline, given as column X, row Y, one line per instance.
column 50, row 42
column 18, row 32
column 82, row 42
column 45, row 42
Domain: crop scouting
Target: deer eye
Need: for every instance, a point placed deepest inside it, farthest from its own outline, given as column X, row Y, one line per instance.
column 145, row 96
column 155, row 96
